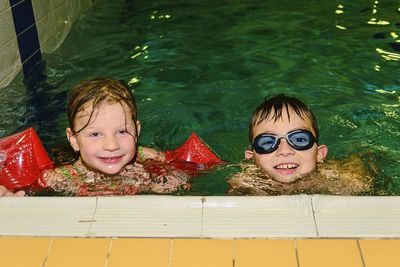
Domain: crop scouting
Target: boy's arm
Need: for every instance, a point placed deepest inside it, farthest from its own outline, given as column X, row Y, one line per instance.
column 346, row 176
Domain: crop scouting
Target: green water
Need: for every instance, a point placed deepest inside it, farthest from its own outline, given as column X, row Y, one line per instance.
column 205, row 65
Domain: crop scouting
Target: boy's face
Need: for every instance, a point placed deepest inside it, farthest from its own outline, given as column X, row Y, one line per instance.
column 108, row 142
column 287, row 164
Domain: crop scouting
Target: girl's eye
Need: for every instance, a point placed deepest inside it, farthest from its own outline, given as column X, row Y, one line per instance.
column 122, row 131
column 94, row 134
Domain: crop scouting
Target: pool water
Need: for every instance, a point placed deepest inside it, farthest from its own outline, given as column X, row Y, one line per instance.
column 205, row 65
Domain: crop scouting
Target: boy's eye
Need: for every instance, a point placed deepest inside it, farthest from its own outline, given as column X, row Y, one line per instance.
column 267, row 143
column 268, row 140
column 300, row 139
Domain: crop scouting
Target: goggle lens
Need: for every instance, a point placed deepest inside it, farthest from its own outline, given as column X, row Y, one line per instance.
column 267, row 143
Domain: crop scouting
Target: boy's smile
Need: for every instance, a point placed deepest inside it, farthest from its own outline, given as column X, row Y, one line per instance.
column 286, row 164
column 286, row 168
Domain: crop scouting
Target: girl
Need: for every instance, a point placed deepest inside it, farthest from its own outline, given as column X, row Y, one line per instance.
column 104, row 134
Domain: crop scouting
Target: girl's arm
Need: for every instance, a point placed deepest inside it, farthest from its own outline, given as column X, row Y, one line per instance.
column 4, row 192
column 145, row 153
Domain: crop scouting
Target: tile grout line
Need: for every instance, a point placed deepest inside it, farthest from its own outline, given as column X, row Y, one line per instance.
column 92, row 219
column 313, row 213
column 16, row 4
column 50, row 11
column 233, row 252
column 48, row 252
column 171, row 247
column 296, row 252
column 108, row 252
column 15, row 68
column 203, row 202
column 361, row 254
column 8, row 41
column 49, row 40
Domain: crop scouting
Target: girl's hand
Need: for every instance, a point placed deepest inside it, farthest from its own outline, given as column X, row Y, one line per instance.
column 150, row 153
column 3, row 157
column 4, row 192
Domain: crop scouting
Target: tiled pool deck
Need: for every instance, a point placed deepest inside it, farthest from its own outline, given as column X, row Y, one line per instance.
column 301, row 230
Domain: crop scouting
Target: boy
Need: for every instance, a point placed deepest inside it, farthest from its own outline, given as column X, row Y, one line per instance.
column 287, row 158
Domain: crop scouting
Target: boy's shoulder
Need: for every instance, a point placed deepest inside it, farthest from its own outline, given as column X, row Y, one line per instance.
column 347, row 176
column 253, row 181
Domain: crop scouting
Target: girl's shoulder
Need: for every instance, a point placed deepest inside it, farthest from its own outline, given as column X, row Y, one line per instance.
column 164, row 177
column 59, row 179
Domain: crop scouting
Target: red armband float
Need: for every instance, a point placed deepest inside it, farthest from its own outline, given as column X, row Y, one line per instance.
column 193, row 156
column 22, row 160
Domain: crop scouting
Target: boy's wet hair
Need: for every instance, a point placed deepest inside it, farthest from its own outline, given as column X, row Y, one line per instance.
column 272, row 108
column 97, row 91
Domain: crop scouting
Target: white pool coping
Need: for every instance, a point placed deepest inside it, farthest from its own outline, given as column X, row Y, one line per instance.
column 297, row 216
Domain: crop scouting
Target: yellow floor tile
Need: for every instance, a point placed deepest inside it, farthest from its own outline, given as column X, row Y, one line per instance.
column 259, row 252
column 87, row 252
column 328, row 253
column 378, row 253
column 202, row 253
column 23, row 251
column 139, row 252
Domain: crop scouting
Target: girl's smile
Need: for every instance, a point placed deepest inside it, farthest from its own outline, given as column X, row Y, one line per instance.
column 108, row 141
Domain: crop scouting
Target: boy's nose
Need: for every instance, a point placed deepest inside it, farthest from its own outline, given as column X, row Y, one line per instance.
column 110, row 143
column 284, row 148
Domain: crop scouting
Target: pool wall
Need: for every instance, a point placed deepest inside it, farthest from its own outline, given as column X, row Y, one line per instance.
column 156, row 216
column 30, row 28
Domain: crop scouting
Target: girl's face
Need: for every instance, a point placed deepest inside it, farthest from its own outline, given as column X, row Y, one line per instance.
column 108, row 142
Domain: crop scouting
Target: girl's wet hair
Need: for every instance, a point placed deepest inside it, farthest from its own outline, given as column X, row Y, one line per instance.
column 272, row 108
column 97, row 91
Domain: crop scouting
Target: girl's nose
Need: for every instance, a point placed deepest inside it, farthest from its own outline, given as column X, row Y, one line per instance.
column 110, row 143
column 284, row 149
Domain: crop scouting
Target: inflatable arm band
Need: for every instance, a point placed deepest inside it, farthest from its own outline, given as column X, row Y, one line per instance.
column 193, row 150
column 22, row 159
column 191, row 157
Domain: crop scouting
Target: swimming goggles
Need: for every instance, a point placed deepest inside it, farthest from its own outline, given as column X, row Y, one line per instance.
column 266, row 143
